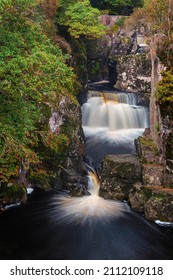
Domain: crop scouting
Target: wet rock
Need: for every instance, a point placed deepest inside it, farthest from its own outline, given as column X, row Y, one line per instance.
column 143, row 99
column 73, row 174
column 67, row 119
column 137, row 197
column 168, row 180
column 154, row 202
column 134, row 73
column 147, row 150
column 152, row 174
column 160, row 205
column 78, row 191
column 120, row 173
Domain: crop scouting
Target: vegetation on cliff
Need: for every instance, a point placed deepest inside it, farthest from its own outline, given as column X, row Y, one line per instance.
column 164, row 93
column 34, row 76
column 156, row 17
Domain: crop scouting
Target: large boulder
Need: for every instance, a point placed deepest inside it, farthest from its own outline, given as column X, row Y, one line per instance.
column 160, row 205
column 120, row 173
column 138, row 197
column 155, row 202
column 134, row 73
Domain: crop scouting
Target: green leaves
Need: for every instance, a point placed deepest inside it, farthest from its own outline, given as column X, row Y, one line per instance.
column 81, row 19
column 164, row 93
column 33, row 76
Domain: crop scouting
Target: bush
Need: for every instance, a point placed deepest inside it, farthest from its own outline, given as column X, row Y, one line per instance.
column 164, row 93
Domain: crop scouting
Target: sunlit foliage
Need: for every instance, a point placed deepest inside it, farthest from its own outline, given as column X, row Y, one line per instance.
column 80, row 18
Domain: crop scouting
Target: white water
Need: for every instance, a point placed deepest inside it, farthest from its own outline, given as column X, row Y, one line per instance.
column 84, row 228
column 80, row 209
column 111, row 123
column 114, row 112
column 107, row 118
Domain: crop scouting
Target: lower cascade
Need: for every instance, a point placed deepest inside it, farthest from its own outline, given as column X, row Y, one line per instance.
column 55, row 225
column 90, row 207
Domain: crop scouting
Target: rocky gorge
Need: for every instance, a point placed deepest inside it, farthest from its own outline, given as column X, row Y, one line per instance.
column 145, row 179
column 96, row 174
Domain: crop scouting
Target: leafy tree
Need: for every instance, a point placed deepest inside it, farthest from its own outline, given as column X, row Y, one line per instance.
column 80, row 18
column 34, row 76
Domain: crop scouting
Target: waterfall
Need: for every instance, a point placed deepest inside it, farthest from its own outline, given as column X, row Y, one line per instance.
column 114, row 112
column 87, row 208
column 113, row 119
column 54, row 225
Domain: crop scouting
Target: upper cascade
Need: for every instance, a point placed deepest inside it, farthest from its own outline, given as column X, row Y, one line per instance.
column 115, row 111
column 129, row 98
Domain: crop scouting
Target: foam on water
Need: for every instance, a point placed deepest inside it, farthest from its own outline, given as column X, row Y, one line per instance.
column 104, row 134
column 111, row 122
column 88, row 207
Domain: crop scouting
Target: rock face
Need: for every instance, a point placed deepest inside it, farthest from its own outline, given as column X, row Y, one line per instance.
column 102, row 52
column 152, row 196
column 120, row 174
column 72, row 171
column 160, row 205
column 139, row 180
column 120, row 57
column 134, row 73
column 147, row 182
column 161, row 127
column 155, row 202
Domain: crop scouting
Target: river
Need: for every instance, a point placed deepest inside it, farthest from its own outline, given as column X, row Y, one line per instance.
column 53, row 225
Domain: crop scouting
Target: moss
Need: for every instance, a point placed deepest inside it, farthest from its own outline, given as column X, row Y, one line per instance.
column 147, row 192
column 39, row 177
column 157, row 126
column 149, row 144
column 164, row 93
column 80, row 57
column 10, row 193
column 95, row 69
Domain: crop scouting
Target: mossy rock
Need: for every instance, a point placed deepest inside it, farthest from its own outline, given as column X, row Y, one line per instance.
column 11, row 193
column 160, row 206
column 147, row 150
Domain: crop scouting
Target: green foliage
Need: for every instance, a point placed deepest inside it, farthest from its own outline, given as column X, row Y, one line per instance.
column 33, row 77
column 165, row 50
column 149, row 144
column 124, row 7
column 120, row 22
column 164, row 93
column 19, row 5
column 10, row 193
column 81, row 19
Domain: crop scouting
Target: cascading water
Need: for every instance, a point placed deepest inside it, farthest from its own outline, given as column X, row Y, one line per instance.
column 57, row 226
column 114, row 112
column 88, row 208
column 111, row 122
